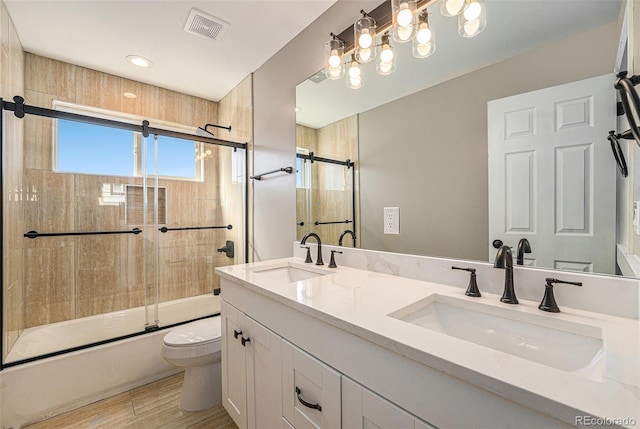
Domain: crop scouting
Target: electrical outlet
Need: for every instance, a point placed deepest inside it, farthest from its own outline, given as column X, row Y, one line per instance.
column 392, row 220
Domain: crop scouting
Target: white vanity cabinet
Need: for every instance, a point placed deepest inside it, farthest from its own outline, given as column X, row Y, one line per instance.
column 251, row 371
column 363, row 409
column 310, row 390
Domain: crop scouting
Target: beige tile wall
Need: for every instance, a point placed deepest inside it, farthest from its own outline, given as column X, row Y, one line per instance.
column 82, row 276
column 339, row 141
column 15, row 192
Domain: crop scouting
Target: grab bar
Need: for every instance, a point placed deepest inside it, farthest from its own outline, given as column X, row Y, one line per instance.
column 36, row 234
column 187, row 228
column 330, row 223
column 287, row 170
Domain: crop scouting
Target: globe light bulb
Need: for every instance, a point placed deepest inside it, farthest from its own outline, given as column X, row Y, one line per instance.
column 354, row 72
column 365, row 41
column 384, row 67
column 405, row 16
column 472, row 11
column 453, row 7
column 365, row 54
column 424, row 49
column 471, row 27
column 356, row 82
column 334, row 59
column 334, row 73
column 386, row 56
column 404, row 33
column 424, row 34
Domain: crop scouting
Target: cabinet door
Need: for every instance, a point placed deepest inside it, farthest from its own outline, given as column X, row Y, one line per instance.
column 363, row 409
column 310, row 390
column 264, row 377
column 234, row 379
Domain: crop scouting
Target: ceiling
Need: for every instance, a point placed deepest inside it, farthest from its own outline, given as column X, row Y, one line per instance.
column 513, row 27
column 100, row 34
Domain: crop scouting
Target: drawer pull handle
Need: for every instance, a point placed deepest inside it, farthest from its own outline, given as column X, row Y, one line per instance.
column 244, row 341
column 305, row 403
column 236, row 333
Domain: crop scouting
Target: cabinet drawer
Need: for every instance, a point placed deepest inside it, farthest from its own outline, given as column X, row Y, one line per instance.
column 310, row 390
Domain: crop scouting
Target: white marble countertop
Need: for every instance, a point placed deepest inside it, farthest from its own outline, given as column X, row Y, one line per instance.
column 360, row 302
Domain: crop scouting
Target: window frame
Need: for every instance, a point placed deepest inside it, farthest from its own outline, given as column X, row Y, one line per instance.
column 136, row 145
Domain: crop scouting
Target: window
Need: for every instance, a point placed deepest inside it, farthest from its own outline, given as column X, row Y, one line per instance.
column 96, row 149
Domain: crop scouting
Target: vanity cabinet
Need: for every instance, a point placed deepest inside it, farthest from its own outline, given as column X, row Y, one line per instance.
column 363, row 409
column 310, row 390
column 251, row 370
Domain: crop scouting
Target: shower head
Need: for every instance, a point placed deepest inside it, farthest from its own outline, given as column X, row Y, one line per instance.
column 202, row 132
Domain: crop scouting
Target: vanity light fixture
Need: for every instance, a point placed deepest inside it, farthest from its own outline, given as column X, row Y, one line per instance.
column 403, row 27
column 354, row 74
column 364, row 32
column 139, row 61
column 473, row 18
column 386, row 65
column 334, row 51
column 408, row 21
column 424, row 44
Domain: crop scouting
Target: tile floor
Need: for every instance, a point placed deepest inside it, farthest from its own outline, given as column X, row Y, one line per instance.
column 152, row 406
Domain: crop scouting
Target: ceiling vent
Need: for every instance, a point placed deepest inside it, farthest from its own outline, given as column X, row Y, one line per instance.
column 206, row 25
column 318, row 77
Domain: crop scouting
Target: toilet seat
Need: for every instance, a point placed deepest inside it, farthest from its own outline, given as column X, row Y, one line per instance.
column 201, row 332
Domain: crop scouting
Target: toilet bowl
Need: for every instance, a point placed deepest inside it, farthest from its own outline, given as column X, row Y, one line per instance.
column 197, row 347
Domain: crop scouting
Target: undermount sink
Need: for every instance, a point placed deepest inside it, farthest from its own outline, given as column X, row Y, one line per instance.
column 562, row 344
column 287, row 272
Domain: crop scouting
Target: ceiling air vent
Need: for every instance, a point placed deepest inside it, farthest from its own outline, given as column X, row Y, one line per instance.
column 206, row 25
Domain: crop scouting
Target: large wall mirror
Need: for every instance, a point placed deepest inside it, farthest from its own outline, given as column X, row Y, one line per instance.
column 420, row 139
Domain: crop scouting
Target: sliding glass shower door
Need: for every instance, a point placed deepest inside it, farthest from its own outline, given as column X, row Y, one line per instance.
column 108, row 233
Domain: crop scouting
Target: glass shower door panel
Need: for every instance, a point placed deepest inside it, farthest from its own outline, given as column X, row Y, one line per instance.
column 331, row 201
column 204, row 219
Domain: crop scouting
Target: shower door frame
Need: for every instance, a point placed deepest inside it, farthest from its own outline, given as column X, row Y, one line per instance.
column 20, row 109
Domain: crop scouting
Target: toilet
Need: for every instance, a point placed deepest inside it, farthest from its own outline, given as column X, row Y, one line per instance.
column 197, row 347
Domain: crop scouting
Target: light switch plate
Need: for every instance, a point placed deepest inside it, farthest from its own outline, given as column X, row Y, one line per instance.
column 392, row 220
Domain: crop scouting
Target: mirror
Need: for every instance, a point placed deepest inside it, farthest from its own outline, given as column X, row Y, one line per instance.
column 423, row 131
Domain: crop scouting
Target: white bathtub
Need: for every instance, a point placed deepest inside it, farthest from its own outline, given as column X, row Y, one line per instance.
column 41, row 340
column 44, row 388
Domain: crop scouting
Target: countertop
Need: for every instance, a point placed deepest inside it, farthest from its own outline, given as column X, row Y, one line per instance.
column 360, row 302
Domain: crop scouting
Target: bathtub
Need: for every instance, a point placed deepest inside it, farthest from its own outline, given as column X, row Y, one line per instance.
column 45, row 339
column 33, row 391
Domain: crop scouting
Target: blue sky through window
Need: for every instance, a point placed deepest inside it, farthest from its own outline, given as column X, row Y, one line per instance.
column 176, row 157
column 94, row 149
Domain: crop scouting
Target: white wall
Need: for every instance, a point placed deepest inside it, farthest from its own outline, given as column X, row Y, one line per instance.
column 274, row 96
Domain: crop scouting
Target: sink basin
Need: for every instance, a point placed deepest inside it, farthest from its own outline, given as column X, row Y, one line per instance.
column 558, row 343
column 288, row 272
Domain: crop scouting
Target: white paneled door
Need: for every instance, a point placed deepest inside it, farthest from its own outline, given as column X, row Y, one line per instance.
column 552, row 176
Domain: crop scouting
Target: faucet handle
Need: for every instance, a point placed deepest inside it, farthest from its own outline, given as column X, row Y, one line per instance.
column 472, row 288
column 548, row 300
column 308, row 259
column 332, row 262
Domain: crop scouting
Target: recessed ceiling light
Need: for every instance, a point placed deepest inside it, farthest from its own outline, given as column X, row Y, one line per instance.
column 139, row 61
column 130, row 95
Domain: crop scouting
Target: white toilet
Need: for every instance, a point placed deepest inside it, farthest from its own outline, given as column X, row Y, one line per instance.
column 197, row 347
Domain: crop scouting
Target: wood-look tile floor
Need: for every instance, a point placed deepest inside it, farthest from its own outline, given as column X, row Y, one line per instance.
column 152, row 406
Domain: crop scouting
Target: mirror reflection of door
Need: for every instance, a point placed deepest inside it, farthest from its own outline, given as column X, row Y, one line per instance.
column 552, row 175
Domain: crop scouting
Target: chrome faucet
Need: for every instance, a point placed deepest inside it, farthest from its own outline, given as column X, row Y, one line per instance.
column 523, row 247
column 504, row 259
column 304, row 240
column 345, row 232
